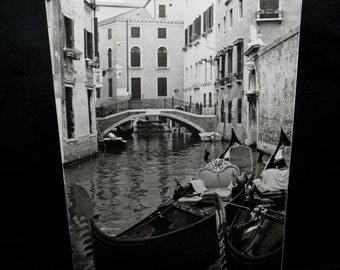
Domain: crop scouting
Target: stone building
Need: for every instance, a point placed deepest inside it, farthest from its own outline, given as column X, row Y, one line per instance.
column 199, row 49
column 242, row 27
column 71, row 26
column 141, row 53
column 276, row 70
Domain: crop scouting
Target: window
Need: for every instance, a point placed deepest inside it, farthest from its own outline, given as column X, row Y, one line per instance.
column 186, row 37
column 224, row 24
column 196, row 73
column 162, row 87
column 110, row 88
column 239, row 111
column 205, row 71
column 109, row 33
column 135, row 57
column 240, row 7
column 239, row 51
column 223, row 65
column 204, row 100
column 161, row 32
column 161, row 11
column 88, row 44
column 231, row 17
column 208, row 18
column 69, row 32
column 162, row 57
column 98, row 92
column 230, row 60
column 196, row 31
column 135, row 32
column 89, row 101
column 222, row 112
column 191, row 33
column 69, row 112
column 229, row 111
column 269, row 9
column 210, row 99
column 109, row 58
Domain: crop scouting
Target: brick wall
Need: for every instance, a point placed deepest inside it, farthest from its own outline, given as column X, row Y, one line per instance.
column 276, row 68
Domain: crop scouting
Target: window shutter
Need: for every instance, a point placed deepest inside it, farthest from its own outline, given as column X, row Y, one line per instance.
column 85, row 43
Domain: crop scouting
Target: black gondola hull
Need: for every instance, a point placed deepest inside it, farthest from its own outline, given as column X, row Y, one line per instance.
column 193, row 247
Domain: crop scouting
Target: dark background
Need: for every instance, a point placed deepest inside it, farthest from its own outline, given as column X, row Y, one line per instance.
column 34, row 219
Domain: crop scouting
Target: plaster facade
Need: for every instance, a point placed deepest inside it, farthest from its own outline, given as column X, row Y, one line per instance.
column 73, row 75
column 122, row 78
column 241, row 27
column 276, row 69
column 199, row 48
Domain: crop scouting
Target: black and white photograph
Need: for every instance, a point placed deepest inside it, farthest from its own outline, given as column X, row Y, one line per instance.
column 170, row 134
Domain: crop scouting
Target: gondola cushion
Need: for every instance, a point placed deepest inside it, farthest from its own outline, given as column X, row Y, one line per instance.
column 214, row 178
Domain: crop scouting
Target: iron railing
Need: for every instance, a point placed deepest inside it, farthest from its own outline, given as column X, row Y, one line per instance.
column 159, row 103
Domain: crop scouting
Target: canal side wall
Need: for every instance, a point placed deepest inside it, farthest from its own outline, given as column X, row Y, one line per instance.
column 276, row 69
column 80, row 149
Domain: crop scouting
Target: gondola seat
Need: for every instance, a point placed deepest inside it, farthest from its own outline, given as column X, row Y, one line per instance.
column 274, row 198
column 210, row 181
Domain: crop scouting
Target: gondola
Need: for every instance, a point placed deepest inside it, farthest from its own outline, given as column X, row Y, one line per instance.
column 252, row 239
column 179, row 234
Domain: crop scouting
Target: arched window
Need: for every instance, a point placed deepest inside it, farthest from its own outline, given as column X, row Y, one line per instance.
column 109, row 58
column 162, row 57
column 135, row 57
column 222, row 112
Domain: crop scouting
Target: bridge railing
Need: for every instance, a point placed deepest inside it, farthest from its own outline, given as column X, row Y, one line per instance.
column 160, row 103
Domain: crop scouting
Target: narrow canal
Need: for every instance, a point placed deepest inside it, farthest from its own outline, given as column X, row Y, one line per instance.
column 127, row 186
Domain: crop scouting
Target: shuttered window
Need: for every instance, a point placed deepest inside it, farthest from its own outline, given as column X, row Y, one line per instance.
column 230, row 61
column 222, row 112
column 239, row 111
column 208, row 18
column 88, row 44
column 186, row 37
column 239, row 48
column 69, row 32
column 229, row 111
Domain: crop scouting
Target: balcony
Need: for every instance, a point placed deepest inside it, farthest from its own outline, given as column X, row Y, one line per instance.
column 269, row 15
column 72, row 53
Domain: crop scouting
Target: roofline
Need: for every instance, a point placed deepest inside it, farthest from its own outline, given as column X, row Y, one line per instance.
column 120, row 5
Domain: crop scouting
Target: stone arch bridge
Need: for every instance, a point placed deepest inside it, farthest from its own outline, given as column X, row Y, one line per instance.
column 193, row 122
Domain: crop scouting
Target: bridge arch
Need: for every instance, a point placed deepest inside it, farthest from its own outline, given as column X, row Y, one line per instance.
column 192, row 127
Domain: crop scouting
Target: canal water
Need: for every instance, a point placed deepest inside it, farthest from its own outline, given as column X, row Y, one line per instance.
column 126, row 186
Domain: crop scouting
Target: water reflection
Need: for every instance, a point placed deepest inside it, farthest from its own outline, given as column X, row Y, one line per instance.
column 126, row 187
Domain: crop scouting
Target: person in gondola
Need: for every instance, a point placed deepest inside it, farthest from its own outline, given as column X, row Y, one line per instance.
column 275, row 178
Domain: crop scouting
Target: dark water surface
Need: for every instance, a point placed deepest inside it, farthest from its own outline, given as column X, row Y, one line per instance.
column 125, row 187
